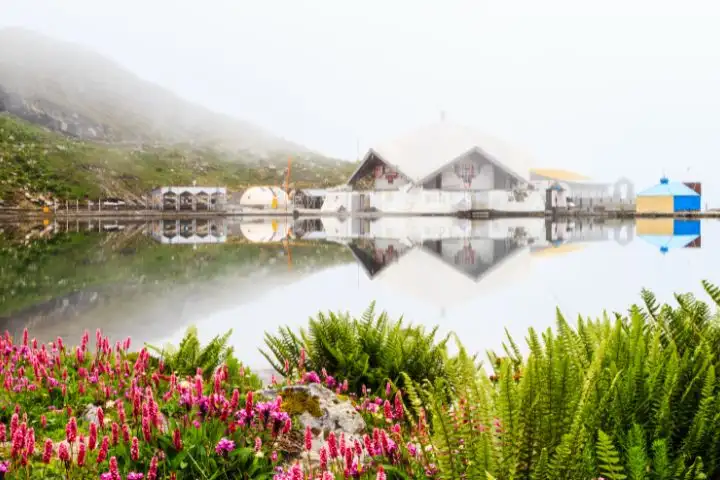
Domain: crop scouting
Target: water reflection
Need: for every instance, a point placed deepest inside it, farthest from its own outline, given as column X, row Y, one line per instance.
column 152, row 279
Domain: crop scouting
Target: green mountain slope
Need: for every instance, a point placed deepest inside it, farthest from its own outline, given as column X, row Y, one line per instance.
column 36, row 163
column 72, row 89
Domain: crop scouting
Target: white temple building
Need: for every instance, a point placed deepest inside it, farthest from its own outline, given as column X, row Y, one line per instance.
column 440, row 169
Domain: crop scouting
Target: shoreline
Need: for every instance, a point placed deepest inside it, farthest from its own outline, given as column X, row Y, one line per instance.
column 16, row 214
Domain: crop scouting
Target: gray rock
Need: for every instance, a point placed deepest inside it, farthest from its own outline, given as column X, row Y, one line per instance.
column 338, row 415
column 90, row 414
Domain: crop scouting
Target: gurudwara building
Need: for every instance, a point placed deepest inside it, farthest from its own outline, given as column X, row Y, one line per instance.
column 446, row 168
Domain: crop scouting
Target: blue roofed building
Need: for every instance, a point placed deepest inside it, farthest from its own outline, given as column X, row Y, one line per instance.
column 668, row 197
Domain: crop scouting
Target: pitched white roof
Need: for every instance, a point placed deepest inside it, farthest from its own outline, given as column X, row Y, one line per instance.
column 423, row 152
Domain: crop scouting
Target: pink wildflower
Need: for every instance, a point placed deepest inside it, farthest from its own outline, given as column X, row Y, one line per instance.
column 64, row 452
column 104, row 445
column 30, row 442
column 388, row 410
column 332, row 445
column 92, row 440
column 47, row 451
column 82, row 452
column 224, row 446
column 308, row 438
column 115, row 433
column 152, row 472
column 146, row 428
column 399, row 410
column 323, row 458
column 381, row 473
column 177, row 440
column 114, row 471
column 135, row 450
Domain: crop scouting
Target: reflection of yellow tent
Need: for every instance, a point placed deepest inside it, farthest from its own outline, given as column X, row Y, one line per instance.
column 263, row 232
column 559, row 250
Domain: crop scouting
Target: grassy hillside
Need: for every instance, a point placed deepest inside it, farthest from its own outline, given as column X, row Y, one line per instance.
column 35, row 161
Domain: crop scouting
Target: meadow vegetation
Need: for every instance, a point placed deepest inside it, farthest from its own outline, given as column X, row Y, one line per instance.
column 42, row 163
column 40, row 269
column 625, row 396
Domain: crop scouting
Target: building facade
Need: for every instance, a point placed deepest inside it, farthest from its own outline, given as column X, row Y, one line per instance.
column 439, row 169
column 668, row 197
column 188, row 198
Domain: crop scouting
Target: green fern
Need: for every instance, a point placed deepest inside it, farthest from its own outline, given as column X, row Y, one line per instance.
column 608, row 458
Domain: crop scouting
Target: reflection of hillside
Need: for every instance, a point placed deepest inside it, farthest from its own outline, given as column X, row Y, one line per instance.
column 60, row 265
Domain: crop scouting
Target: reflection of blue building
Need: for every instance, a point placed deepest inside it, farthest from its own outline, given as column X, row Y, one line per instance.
column 669, row 233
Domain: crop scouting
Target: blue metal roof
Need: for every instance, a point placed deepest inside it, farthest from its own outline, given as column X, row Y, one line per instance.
column 674, row 189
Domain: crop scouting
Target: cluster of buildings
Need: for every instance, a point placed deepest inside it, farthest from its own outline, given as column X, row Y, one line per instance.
column 445, row 169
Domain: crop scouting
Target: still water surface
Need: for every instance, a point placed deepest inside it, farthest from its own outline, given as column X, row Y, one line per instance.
column 152, row 280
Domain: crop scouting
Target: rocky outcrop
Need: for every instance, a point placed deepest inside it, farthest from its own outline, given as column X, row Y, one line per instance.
column 325, row 412
column 53, row 117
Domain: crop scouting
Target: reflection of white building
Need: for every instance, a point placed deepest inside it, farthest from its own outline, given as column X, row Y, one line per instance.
column 443, row 272
column 193, row 231
column 442, row 168
column 447, row 260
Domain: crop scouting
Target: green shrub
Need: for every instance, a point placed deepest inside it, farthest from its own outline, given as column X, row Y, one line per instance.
column 189, row 356
column 369, row 351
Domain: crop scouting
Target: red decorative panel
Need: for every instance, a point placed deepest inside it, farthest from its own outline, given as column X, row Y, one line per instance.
column 697, row 186
column 697, row 243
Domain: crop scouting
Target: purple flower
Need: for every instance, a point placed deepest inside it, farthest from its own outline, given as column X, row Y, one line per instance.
column 311, row 377
column 412, row 449
column 224, row 446
column 135, row 476
column 4, row 467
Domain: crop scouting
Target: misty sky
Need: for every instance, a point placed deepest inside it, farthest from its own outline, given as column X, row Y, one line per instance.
column 607, row 88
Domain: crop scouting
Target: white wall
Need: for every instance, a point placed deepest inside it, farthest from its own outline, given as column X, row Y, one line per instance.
column 336, row 199
column 385, row 182
column 501, row 228
column 503, row 201
column 417, row 230
column 418, row 200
